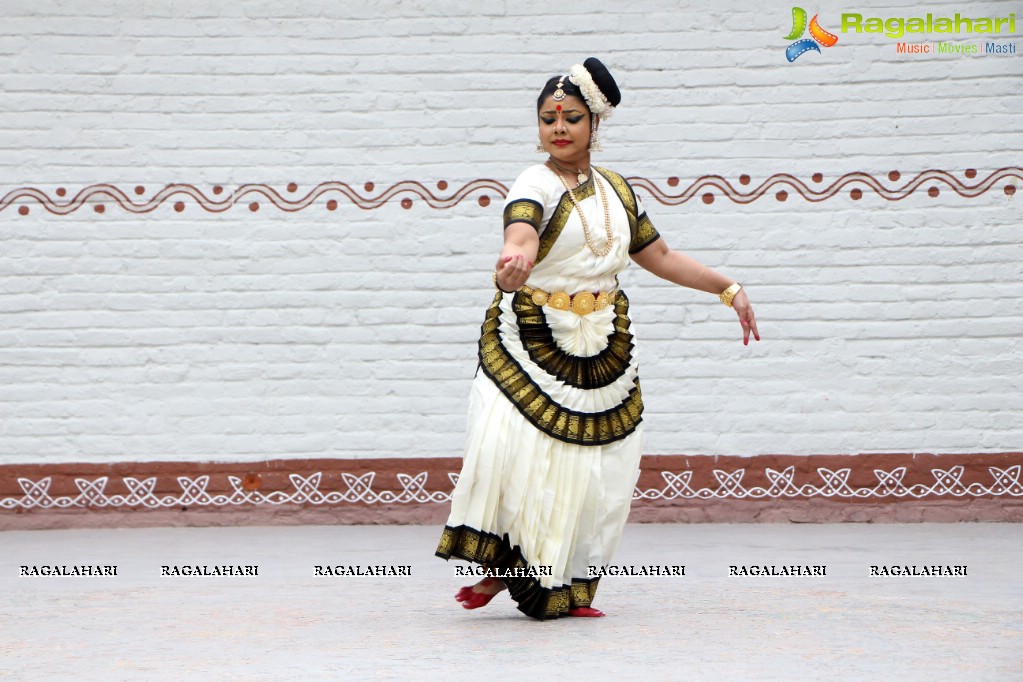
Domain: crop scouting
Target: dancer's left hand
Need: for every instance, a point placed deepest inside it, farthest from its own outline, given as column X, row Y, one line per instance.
column 744, row 310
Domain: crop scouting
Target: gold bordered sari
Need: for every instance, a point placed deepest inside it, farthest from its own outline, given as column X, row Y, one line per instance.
column 555, row 418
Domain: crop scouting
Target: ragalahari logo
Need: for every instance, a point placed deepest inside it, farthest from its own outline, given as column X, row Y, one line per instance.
column 818, row 35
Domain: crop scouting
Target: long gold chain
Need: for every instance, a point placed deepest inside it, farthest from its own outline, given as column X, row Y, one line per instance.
column 606, row 249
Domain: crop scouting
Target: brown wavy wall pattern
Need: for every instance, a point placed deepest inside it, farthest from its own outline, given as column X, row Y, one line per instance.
column 330, row 195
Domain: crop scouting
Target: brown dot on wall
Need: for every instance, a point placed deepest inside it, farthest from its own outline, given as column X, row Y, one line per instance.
column 369, row 186
column 23, row 210
column 139, row 189
column 1010, row 190
column 443, row 184
column 61, row 191
column 179, row 206
column 406, row 203
column 971, row 173
column 894, row 175
column 782, row 195
column 252, row 482
column 708, row 198
column 856, row 193
column 743, row 179
column 673, row 181
column 99, row 208
column 484, row 201
column 292, row 187
column 933, row 192
column 818, row 177
column 217, row 189
column 254, row 206
column 332, row 205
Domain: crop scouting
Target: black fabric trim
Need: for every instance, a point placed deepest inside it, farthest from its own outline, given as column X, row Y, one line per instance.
column 524, row 211
column 560, row 217
column 646, row 234
column 496, row 553
column 591, row 372
column 640, row 249
column 539, row 409
column 554, row 227
column 642, row 231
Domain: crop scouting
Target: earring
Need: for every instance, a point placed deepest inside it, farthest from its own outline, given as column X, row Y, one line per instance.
column 539, row 145
column 595, row 145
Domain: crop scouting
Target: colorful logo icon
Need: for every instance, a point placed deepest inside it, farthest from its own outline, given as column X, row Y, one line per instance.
column 818, row 35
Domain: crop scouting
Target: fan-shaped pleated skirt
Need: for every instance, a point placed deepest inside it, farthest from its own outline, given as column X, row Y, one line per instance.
column 552, row 451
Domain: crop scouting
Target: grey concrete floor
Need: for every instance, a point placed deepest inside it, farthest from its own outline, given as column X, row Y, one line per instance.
column 288, row 624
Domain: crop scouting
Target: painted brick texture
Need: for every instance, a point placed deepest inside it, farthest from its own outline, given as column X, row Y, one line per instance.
column 194, row 330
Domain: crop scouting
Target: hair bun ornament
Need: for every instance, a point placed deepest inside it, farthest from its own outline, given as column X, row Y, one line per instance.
column 597, row 85
column 604, row 80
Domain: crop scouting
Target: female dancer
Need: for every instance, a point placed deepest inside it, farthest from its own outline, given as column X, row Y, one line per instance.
column 554, row 439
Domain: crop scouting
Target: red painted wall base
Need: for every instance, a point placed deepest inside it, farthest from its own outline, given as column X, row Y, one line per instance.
column 671, row 488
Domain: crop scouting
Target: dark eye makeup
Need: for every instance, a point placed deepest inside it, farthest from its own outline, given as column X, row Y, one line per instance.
column 570, row 119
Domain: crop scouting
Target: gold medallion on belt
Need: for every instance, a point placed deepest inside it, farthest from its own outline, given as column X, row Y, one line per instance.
column 582, row 303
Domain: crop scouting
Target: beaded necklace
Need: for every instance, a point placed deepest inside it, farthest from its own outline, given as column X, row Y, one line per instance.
column 606, row 249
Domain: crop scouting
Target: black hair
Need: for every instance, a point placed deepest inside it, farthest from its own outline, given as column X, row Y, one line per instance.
column 568, row 86
column 602, row 78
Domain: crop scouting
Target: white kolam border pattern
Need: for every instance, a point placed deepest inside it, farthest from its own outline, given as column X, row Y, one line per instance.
column 358, row 489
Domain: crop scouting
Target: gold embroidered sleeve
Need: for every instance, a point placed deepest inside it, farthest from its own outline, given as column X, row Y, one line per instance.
column 645, row 235
column 524, row 211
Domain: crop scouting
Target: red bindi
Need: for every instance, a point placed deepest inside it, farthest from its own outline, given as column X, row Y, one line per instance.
column 558, row 107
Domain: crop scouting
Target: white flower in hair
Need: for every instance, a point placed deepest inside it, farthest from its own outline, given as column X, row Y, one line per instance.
column 595, row 99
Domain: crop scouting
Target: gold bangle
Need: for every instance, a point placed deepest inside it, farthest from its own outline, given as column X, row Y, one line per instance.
column 728, row 294
column 499, row 286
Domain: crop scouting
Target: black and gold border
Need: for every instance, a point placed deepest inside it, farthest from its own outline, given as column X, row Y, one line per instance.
column 569, row 426
column 646, row 234
column 642, row 231
column 524, row 211
column 497, row 554
column 560, row 217
column 591, row 372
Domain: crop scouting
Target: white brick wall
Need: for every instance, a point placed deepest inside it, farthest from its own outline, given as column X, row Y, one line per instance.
column 888, row 325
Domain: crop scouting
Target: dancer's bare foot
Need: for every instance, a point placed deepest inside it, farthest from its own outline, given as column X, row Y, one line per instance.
column 469, row 590
column 480, row 594
column 585, row 612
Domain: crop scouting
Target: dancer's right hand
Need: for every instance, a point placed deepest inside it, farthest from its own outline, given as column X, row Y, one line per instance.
column 513, row 271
